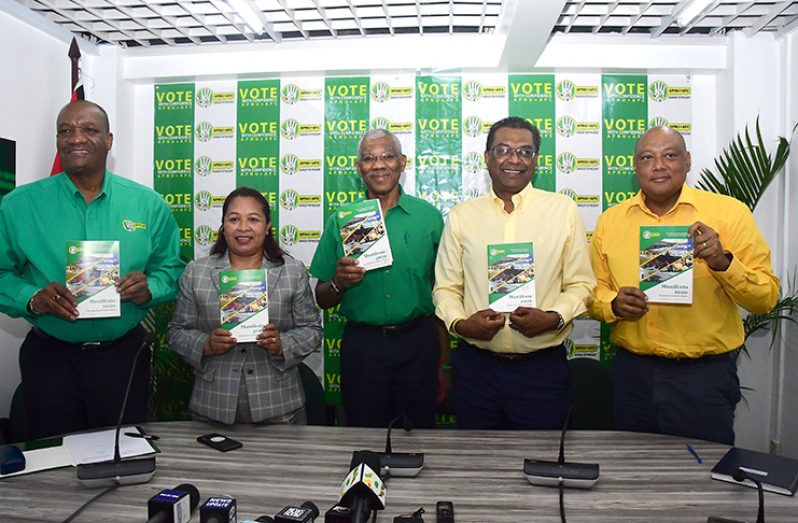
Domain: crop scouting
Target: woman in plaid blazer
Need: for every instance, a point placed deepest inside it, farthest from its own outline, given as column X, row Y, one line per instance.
column 246, row 382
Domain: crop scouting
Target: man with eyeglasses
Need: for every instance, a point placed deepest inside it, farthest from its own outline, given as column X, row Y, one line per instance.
column 510, row 370
column 393, row 351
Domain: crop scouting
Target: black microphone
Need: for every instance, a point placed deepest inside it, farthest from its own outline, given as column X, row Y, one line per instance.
column 307, row 512
column 362, row 490
column 338, row 514
column 553, row 474
column 400, row 464
column 173, row 505
column 116, row 471
column 218, row 510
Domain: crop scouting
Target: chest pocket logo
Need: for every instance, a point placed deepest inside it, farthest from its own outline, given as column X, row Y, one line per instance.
column 131, row 226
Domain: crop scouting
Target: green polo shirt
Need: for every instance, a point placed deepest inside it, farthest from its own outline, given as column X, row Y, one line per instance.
column 36, row 221
column 403, row 291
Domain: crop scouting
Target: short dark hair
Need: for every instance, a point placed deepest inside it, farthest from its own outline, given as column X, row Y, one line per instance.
column 514, row 122
column 272, row 251
column 90, row 104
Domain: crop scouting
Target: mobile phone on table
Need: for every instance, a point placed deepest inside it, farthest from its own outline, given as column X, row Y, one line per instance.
column 444, row 511
column 219, row 442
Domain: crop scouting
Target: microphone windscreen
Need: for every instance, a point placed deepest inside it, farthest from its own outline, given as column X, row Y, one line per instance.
column 193, row 494
column 407, row 423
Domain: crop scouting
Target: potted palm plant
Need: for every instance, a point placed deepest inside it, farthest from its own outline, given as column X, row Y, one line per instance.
column 744, row 171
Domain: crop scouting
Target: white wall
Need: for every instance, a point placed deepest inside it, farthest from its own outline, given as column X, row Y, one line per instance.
column 36, row 87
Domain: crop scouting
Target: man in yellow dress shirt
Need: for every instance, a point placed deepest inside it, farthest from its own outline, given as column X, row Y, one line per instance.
column 510, row 369
column 675, row 370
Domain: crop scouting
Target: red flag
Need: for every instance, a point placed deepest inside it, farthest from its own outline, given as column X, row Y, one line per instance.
column 77, row 93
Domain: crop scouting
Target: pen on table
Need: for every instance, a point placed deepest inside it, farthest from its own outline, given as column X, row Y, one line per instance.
column 145, row 436
column 694, row 453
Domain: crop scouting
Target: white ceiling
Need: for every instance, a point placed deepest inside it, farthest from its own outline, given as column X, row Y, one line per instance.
column 130, row 23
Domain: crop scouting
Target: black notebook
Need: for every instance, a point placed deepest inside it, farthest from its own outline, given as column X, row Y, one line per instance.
column 776, row 473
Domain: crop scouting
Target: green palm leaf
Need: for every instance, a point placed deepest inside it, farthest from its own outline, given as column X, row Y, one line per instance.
column 745, row 168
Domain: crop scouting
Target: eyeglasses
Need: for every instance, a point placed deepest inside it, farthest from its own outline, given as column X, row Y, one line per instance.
column 505, row 151
column 369, row 159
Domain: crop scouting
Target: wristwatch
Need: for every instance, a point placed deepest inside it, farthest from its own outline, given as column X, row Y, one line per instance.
column 560, row 321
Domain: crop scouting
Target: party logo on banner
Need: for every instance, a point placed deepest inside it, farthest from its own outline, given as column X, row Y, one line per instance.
column 204, row 200
column 252, row 95
column 204, row 235
column 206, row 131
column 474, row 163
column 291, row 235
column 382, row 92
column 381, row 122
column 473, row 126
column 474, row 91
column 567, row 126
column 567, row 90
column 206, row 97
column 659, row 91
column 582, row 200
column 173, row 168
column 205, row 166
column 661, row 121
column 174, row 100
column 290, row 200
column 291, row 164
column 291, row 129
column 568, row 163
column 292, row 93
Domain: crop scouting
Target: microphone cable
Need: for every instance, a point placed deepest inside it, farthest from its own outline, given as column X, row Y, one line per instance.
column 83, row 507
column 562, row 502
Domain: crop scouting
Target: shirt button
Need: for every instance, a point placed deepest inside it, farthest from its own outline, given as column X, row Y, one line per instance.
column 249, row 371
column 387, row 296
column 243, row 351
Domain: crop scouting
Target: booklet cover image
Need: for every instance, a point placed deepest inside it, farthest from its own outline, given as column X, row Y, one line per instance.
column 511, row 276
column 92, row 268
column 666, row 264
column 363, row 234
column 243, row 303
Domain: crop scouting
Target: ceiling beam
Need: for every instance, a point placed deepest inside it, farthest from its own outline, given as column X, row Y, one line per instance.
column 765, row 19
column 527, row 27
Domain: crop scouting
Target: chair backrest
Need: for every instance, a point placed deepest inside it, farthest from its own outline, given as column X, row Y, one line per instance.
column 315, row 404
column 592, row 387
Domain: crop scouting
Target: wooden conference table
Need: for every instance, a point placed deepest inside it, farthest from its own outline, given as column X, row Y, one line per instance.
column 644, row 477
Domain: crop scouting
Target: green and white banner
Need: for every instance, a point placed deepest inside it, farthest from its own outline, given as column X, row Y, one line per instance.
column 295, row 140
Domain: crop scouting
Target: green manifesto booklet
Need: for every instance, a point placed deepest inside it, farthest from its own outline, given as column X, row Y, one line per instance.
column 363, row 234
column 92, row 268
column 243, row 303
column 666, row 263
column 511, row 276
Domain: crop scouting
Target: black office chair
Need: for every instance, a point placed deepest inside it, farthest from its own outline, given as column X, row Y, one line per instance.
column 592, row 386
column 315, row 404
column 13, row 428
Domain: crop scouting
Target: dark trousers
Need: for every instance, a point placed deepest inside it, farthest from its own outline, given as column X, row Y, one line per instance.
column 385, row 375
column 693, row 398
column 68, row 388
column 490, row 392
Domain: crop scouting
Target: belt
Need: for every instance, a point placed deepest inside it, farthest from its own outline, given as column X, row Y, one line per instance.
column 391, row 330
column 88, row 345
column 511, row 357
column 686, row 360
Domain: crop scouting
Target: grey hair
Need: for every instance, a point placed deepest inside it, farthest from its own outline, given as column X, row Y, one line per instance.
column 378, row 133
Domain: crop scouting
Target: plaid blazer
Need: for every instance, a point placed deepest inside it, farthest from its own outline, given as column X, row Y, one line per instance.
column 273, row 383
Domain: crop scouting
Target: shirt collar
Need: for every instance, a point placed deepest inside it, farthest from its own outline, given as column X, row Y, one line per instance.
column 520, row 199
column 688, row 196
column 72, row 189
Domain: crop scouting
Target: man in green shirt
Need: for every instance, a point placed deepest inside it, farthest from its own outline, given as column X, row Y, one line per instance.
column 392, row 346
column 74, row 371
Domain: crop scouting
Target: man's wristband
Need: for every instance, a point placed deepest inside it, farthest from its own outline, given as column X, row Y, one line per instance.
column 334, row 287
column 30, row 304
column 560, row 322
